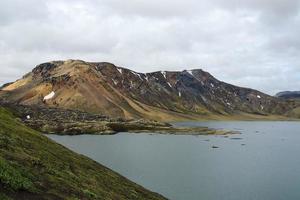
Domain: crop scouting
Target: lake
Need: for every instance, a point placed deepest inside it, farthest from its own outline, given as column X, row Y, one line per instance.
column 262, row 163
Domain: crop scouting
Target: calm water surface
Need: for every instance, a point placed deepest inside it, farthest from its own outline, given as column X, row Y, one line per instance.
column 262, row 163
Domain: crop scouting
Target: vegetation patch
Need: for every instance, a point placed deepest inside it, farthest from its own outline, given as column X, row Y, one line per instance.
column 4, row 197
column 13, row 178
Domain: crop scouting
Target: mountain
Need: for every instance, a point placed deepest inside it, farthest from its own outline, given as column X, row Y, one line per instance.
column 34, row 167
column 289, row 95
column 119, row 92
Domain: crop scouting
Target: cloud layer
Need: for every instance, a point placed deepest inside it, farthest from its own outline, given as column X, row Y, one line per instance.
column 254, row 44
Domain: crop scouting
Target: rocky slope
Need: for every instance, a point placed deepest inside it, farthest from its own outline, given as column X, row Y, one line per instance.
column 73, row 122
column 34, row 167
column 289, row 95
column 118, row 92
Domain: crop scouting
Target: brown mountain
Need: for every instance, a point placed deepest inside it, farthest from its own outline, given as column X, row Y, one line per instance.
column 119, row 92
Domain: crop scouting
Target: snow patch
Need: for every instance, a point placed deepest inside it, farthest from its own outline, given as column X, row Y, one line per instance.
column 115, row 82
column 169, row 84
column 212, row 85
column 228, row 104
column 137, row 75
column 258, row 96
column 179, row 94
column 203, row 98
column 164, row 73
column 131, row 84
column 120, row 70
column 49, row 96
column 190, row 72
column 28, row 117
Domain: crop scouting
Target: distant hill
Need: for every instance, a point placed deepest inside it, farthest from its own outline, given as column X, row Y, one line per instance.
column 34, row 167
column 102, row 87
column 289, row 95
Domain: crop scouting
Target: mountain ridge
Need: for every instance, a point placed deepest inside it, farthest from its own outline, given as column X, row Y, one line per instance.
column 102, row 87
column 288, row 94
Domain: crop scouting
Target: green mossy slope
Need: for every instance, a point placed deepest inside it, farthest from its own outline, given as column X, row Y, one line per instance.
column 34, row 167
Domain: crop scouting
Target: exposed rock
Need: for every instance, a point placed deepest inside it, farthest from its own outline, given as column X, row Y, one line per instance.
column 236, row 138
column 5, row 85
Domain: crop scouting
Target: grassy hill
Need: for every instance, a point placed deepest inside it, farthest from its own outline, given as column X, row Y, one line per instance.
column 34, row 167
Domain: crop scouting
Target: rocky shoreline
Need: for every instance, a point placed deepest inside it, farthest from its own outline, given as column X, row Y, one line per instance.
column 72, row 122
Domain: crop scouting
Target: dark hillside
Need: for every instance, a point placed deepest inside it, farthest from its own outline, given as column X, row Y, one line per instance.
column 34, row 167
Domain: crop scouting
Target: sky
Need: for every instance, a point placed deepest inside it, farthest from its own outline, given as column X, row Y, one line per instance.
column 250, row 43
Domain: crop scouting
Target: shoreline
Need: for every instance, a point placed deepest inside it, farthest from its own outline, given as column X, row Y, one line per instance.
column 242, row 117
column 73, row 122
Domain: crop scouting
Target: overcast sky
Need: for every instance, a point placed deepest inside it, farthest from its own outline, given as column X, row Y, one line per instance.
column 252, row 43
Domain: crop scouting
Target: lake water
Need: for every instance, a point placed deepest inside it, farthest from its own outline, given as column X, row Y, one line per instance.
column 263, row 163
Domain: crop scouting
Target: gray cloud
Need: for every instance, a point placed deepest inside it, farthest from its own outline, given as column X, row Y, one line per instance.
column 253, row 43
